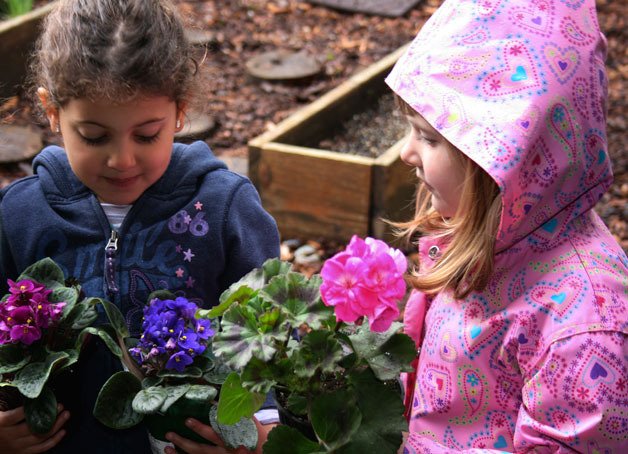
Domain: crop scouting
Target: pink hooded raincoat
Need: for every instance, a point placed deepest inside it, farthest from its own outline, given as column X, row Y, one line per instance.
column 537, row 361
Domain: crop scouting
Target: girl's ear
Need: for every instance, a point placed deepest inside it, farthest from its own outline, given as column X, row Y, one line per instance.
column 181, row 110
column 49, row 108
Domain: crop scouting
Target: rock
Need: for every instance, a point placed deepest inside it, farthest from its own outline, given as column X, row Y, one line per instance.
column 196, row 125
column 19, row 143
column 283, row 65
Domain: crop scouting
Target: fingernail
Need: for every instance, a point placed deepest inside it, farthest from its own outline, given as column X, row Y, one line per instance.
column 169, row 436
column 189, row 422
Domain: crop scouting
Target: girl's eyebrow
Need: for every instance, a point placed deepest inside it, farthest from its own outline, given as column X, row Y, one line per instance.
column 144, row 123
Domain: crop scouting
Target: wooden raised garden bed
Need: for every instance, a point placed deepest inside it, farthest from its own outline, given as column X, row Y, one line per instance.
column 17, row 37
column 324, row 193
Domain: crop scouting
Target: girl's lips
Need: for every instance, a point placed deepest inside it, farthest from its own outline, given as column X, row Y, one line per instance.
column 121, row 182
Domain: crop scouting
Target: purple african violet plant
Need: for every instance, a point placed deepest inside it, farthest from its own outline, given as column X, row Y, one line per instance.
column 26, row 312
column 172, row 335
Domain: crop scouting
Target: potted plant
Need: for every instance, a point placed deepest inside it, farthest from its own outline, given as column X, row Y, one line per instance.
column 327, row 345
column 44, row 323
column 172, row 374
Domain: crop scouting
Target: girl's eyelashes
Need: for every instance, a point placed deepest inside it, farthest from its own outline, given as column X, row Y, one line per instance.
column 95, row 141
column 147, row 139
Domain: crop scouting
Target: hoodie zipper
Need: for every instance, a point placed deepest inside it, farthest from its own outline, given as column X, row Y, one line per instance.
column 111, row 252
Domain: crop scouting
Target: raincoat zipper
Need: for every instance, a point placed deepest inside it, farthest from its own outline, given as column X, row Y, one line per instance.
column 111, row 252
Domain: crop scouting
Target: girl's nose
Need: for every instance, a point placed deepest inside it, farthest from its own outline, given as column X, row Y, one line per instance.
column 122, row 158
column 409, row 155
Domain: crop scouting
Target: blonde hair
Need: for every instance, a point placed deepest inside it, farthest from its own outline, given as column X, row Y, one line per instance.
column 467, row 262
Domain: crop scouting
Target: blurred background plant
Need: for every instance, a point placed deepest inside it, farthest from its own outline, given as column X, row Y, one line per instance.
column 14, row 8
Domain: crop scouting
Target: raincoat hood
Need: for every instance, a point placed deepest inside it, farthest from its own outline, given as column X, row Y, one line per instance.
column 520, row 88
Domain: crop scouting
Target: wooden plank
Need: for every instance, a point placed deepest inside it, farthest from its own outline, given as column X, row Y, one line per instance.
column 17, row 37
column 310, row 196
column 315, row 119
column 394, row 187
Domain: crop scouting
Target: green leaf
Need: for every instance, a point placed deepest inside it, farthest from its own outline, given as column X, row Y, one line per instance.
column 235, row 402
column 218, row 374
column 104, row 335
column 319, row 351
column 31, row 379
column 382, row 416
column 259, row 376
column 81, row 315
column 335, row 417
column 201, row 392
column 246, row 332
column 115, row 318
column 188, row 372
column 297, row 404
column 173, row 393
column 161, row 294
column 237, row 295
column 41, row 412
column 300, row 298
column 151, row 381
column 114, row 405
column 248, row 286
column 242, row 433
column 286, row 440
column 149, row 400
column 12, row 358
column 45, row 272
column 68, row 295
column 388, row 353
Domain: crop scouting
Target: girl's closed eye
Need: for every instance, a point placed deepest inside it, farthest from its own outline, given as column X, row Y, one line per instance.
column 94, row 141
column 147, row 139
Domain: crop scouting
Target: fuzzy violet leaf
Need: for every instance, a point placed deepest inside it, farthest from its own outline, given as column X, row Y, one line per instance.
column 149, row 400
column 242, row 433
column 114, row 405
column 46, row 272
column 41, row 412
column 31, row 379
column 12, row 358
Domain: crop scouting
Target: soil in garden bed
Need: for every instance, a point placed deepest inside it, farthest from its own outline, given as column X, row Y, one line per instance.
column 369, row 133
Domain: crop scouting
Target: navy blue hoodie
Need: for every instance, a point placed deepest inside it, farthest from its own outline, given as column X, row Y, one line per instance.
column 195, row 231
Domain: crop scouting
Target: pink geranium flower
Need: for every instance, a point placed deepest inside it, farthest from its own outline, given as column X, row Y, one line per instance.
column 365, row 280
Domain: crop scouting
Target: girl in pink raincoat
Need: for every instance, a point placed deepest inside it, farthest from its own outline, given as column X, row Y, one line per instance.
column 519, row 307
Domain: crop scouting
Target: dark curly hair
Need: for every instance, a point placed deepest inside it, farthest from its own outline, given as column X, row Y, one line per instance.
column 113, row 50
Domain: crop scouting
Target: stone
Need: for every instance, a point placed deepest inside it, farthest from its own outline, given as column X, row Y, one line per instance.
column 19, row 143
column 283, row 65
column 196, row 125
column 390, row 8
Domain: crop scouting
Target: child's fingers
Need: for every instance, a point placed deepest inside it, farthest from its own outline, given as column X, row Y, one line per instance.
column 192, row 447
column 11, row 417
column 204, row 431
column 47, row 444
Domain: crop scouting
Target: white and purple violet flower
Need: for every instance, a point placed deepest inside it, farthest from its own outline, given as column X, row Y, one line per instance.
column 26, row 312
column 171, row 335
